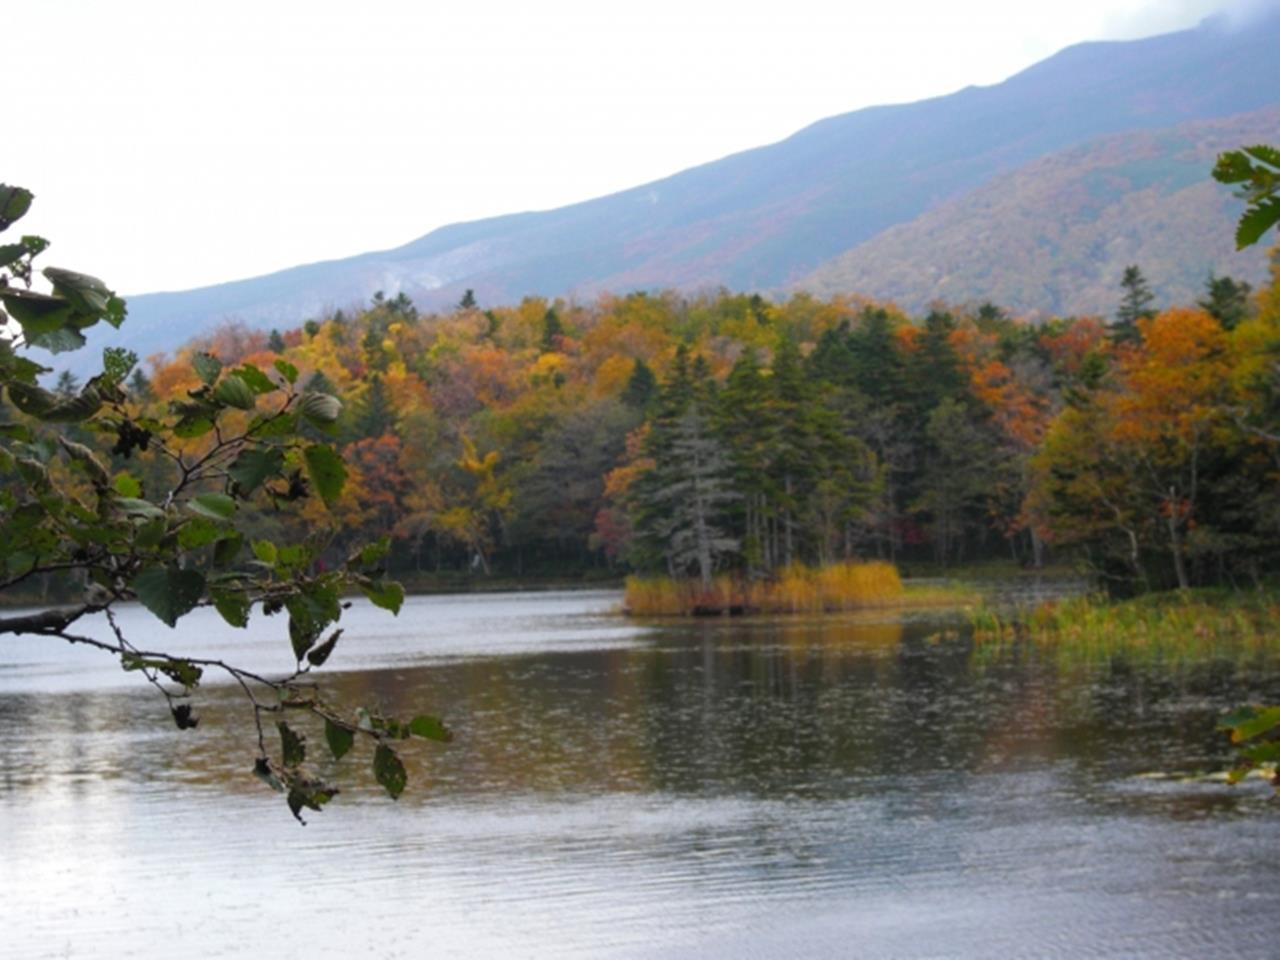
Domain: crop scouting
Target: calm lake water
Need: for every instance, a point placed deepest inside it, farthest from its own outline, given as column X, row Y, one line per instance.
column 826, row 787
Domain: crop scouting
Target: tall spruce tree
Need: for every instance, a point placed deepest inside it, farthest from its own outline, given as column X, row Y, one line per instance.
column 641, row 388
column 680, row 505
column 1135, row 305
column 1226, row 300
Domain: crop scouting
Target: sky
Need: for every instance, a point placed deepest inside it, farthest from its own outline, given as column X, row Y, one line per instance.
column 173, row 145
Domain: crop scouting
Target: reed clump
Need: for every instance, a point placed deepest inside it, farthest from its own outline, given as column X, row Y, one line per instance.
column 796, row 589
column 1174, row 626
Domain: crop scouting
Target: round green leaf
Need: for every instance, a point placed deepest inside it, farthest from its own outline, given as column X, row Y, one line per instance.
column 169, row 593
column 327, row 471
column 389, row 771
column 234, row 392
column 214, row 506
column 320, row 409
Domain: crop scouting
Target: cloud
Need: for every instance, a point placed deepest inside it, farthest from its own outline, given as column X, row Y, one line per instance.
column 1166, row 16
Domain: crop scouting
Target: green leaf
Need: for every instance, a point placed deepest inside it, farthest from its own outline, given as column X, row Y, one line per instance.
column 181, row 671
column 227, row 549
column 127, row 486
column 175, row 668
column 150, row 533
column 87, row 295
column 11, row 253
column 192, row 426
column 386, row 594
column 265, row 551
column 319, row 409
column 287, row 370
column 1267, row 154
column 82, row 455
column 1266, row 752
column 198, row 532
column 14, row 203
column 310, row 794
column 37, row 312
column 1259, row 722
column 19, row 563
column 320, row 654
column 389, row 771
column 310, row 612
column 293, row 750
column 214, row 506
column 232, row 606
column 16, row 431
column 339, row 738
column 371, row 553
column 430, row 728
column 1256, row 221
column 169, row 593
column 207, row 367
column 253, row 467
column 1236, row 774
column 274, row 425
column 302, row 636
column 327, row 471
column 234, row 392
column 134, row 507
column 62, row 340
column 294, row 556
column 258, row 381
column 1232, row 167
column 37, row 402
column 118, row 363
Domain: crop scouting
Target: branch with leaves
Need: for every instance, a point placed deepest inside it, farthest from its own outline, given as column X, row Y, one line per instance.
column 1256, row 172
column 242, row 442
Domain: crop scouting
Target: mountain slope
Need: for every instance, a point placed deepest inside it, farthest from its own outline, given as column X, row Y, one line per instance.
column 767, row 217
column 1055, row 235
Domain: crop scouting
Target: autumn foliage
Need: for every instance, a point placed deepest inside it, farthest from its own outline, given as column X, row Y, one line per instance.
column 561, row 438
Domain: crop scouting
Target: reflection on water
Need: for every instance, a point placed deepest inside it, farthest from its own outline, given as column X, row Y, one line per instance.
column 822, row 787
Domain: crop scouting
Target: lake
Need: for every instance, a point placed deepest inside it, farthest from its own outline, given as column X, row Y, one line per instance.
column 846, row 786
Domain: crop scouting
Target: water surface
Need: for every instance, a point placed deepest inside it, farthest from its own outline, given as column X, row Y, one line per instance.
column 853, row 786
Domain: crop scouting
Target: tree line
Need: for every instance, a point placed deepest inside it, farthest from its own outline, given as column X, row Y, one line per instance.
column 695, row 434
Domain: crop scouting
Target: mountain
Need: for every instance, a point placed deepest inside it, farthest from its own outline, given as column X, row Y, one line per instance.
column 1054, row 236
column 766, row 218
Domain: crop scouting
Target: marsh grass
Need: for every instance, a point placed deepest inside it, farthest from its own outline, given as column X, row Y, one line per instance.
column 796, row 589
column 1175, row 626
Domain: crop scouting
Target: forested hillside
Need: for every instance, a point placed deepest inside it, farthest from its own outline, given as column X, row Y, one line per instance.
column 1054, row 237
column 766, row 218
column 728, row 433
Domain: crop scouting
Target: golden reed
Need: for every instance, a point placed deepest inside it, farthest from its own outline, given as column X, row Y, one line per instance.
column 796, row 589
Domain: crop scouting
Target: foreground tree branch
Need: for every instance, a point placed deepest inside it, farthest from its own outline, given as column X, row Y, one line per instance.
column 121, row 502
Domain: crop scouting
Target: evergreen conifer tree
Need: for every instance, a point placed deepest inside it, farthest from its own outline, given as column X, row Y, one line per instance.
column 1135, row 305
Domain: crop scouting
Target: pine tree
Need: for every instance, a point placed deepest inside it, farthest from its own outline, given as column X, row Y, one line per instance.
column 681, row 504
column 745, row 422
column 67, row 385
column 140, row 386
column 275, row 342
column 641, row 386
column 1135, row 305
column 552, row 330
column 375, row 414
column 878, row 368
column 1226, row 300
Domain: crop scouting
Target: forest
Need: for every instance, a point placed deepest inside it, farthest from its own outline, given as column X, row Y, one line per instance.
column 727, row 433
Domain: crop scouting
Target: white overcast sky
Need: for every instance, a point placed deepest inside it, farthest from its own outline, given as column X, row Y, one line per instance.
column 175, row 144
